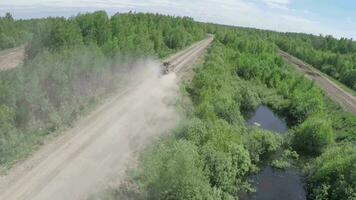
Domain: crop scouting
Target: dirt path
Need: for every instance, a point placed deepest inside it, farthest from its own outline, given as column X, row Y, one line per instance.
column 11, row 58
column 82, row 159
column 345, row 99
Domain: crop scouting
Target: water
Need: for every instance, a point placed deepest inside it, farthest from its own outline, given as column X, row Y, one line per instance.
column 273, row 184
column 267, row 120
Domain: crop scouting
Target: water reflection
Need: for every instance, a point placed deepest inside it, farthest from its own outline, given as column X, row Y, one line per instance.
column 266, row 119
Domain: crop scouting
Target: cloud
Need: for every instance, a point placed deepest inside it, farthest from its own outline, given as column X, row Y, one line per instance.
column 266, row 14
column 279, row 4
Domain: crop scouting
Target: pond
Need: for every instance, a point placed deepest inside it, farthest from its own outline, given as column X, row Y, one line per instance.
column 266, row 119
column 273, row 184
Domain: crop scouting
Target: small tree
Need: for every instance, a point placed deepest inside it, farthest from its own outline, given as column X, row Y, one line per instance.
column 313, row 135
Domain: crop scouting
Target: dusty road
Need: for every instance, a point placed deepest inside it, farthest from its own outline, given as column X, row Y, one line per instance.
column 345, row 99
column 11, row 58
column 82, row 159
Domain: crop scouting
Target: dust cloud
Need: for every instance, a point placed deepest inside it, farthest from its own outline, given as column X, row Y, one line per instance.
column 144, row 110
column 107, row 140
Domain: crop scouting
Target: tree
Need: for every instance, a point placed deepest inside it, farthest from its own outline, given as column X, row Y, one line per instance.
column 313, row 136
column 9, row 17
column 332, row 175
column 174, row 170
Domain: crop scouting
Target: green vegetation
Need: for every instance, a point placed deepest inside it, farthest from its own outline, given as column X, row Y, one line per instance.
column 74, row 62
column 71, row 64
column 127, row 34
column 333, row 175
column 286, row 161
column 313, row 135
column 12, row 32
column 209, row 156
column 241, row 71
column 334, row 57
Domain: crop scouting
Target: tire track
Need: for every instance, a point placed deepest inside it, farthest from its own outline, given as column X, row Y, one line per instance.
column 346, row 100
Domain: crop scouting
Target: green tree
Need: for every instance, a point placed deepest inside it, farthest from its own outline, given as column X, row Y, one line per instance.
column 332, row 175
column 175, row 171
column 313, row 135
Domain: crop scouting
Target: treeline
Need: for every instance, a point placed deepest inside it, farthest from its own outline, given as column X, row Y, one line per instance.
column 337, row 58
column 12, row 32
column 71, row 64
column 129, row 33
column 212, row 154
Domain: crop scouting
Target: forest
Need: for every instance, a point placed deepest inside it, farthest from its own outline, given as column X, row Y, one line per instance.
column 211, row 154
column 213, row 151
column 333, row 57
column 72, row 63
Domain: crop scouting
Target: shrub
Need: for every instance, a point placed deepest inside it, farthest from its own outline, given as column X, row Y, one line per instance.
column 332, row 175
column 313, row 135
column 174, row 170
column 260, row 143
column 227, row 170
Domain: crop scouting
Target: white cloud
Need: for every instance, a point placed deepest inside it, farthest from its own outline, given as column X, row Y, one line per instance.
column 277, row 16
column 85, row 3
column 279, row 4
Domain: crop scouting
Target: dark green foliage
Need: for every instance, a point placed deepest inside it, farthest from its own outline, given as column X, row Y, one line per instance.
column 261, row 143
column 313, row 135
column 226, row 169
column 175, row 171
column 305, row 102
column 95, row 27
column 332, row 176
column 133, row 34
column 345, row 126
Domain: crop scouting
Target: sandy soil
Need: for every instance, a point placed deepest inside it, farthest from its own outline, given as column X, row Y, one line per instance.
column 345, row 99
column 81, row 160
column 11, row 58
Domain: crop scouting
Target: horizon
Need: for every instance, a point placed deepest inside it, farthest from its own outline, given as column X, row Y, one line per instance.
column 316, row 17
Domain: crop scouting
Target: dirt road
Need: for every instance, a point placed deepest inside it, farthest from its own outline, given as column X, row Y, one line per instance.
column 345, row 99
column 100, row 146
column 11, row 58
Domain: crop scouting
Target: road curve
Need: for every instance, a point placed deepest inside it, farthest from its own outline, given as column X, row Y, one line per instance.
column 101, row 145
column 345, row 99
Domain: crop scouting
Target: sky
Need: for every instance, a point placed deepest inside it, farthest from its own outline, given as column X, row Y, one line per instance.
column 327, row 17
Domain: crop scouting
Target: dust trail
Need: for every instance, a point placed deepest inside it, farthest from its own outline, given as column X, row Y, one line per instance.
column 106, row 141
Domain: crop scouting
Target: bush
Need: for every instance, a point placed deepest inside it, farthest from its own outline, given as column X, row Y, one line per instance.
column 313, row 135
column 227, row 170
column 285, row 162
column 174, row 170
column 261, row 143
column 305, row 103
column 332, row 176
column 281, row 164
